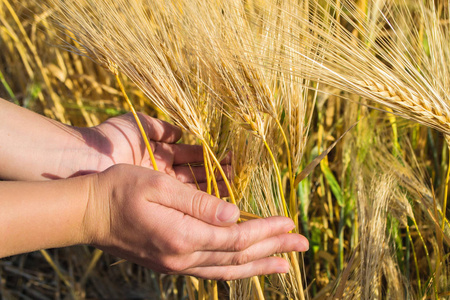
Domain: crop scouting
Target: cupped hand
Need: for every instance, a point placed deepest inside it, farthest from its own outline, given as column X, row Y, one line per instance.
column 149, row 218
column 118, row 140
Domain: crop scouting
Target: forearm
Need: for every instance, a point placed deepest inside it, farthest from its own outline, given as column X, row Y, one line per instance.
column 35, row 148
column 40, row 215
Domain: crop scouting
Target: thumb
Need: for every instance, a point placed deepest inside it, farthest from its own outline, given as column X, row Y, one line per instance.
column 212, row 210
column 160, row 131
column 197, row 204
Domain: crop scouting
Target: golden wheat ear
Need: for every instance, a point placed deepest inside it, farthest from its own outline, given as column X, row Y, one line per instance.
column 397, row 56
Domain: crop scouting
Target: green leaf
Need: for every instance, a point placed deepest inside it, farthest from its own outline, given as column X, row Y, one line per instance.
column 332, row 182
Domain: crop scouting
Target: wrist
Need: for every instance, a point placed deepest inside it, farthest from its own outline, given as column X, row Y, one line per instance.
column 96, row 219
column 86, row 151
column 40, row 215
column 79, row 153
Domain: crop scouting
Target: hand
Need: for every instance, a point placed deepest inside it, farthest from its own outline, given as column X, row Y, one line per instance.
column 118, row 140
column 52, row 150
column 152, row 219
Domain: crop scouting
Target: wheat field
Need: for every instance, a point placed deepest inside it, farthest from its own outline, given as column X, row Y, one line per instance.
column 337, row 113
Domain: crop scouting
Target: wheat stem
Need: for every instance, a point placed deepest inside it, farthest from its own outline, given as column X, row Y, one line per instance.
column 215, row 291
column 95, row 258
column 58, row 272
column 208, row 176
column 447, row 178
column 136, row 117
column 233, row 200
column 201, row 289
column 280, row 182
column 210, row 173
column 222, row 173
column 190, row 289
column 292, row 255
column 292, row 202
column 427, row 254
column 415, row 259
column 258, row 288
column 297, row 273
column 211, row 178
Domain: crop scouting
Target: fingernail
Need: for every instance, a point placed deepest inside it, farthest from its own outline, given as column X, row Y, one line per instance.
column 305, row 245
column 227, row 212
column 290, row 227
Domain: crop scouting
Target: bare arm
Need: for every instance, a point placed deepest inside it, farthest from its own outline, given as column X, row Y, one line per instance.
column 146, row 217
column 40, row 215
column 136, row 213
column 34, row 147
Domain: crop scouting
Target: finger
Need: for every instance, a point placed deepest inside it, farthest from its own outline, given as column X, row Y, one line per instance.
column 160, row 131
column 203, row 186
column 238, row 237
column 227, row 159
column 195, row 203
column 190, row 174
column 197, row 174
column 187, row 154
column 283, row 243
column 163, row 154
column 265, row 266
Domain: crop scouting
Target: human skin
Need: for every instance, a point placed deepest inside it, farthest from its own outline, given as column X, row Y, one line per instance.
column 51, row 150
column 116, row 203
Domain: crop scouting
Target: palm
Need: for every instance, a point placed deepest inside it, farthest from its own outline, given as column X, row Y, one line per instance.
column 122, row 143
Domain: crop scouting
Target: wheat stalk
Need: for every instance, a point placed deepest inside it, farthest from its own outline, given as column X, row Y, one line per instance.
column 382, row 58
column 212, row 77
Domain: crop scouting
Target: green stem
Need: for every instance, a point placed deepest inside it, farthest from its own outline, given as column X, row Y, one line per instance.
column 415, row 260
column 8, row 88
column 426, row 253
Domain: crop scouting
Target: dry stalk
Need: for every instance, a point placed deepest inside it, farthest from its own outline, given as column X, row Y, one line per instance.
column 383, row 59
column 213, row 77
